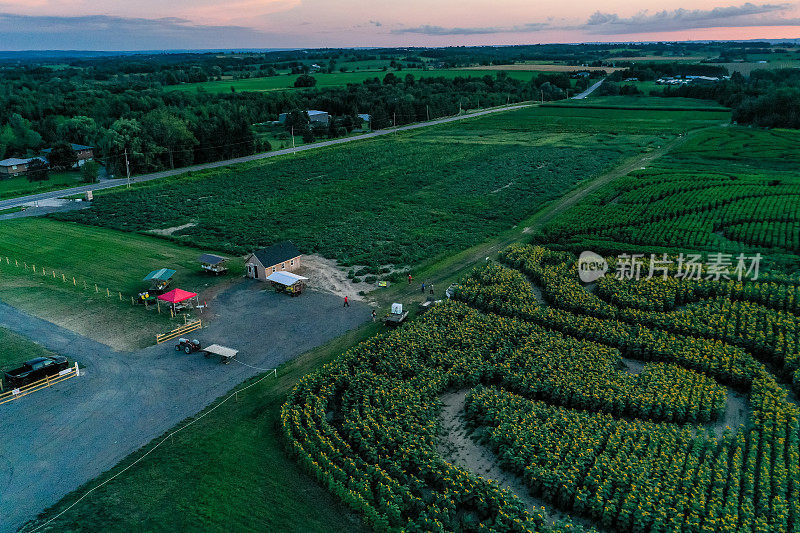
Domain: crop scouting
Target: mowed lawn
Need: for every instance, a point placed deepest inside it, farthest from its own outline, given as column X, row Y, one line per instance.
column 17, row 349
column 108, row 259
column 644, row 102
column 21, row 186
column 402, row 200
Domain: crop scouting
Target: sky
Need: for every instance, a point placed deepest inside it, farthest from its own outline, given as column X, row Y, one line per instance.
column 214, row 24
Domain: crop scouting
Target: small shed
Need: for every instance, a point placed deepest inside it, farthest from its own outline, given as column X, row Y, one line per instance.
column 159, row 279
column 280, row 257
column 213, row 263
column 287, row 282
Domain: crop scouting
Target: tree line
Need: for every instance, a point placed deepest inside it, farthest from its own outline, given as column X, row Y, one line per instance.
column 156, row 129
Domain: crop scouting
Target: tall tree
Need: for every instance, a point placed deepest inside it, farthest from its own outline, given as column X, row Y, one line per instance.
column 78, row 130
column 62, row 156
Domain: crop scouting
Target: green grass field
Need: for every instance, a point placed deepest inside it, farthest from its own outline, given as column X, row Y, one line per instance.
column 399, row 200
column 17, row 349
column 109, row 259
column 20, row 186
column 642, row 102
column 337, row 79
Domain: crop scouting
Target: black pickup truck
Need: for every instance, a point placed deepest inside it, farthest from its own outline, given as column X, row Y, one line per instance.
column 35, row 369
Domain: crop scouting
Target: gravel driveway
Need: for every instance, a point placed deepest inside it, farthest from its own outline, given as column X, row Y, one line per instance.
column 57, row 439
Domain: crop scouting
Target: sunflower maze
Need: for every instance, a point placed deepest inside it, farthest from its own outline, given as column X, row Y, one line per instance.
column 552, row 396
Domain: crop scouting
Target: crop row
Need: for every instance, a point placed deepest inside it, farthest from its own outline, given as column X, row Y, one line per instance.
column 659, row 294
column 365, row 425
column 636, row 476
column 768, row 333
column 505, row 291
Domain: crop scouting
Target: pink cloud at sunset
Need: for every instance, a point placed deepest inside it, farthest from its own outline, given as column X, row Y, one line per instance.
column 150, row 24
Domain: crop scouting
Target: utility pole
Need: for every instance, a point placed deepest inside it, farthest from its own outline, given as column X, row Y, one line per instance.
column 293, row 138
column 394, row 120
column 542, row 95
column 127, row 168
column 428, row 112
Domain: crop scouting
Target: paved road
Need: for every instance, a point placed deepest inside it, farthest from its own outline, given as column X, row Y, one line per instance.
column 588, row 91
column 117, row 182
column 55, row 440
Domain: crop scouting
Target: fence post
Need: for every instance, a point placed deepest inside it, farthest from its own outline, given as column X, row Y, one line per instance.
column 95, row 288
column 108, row 293
column 63, row 278
column 77, row 372
column 120, row 297
column 84, row 285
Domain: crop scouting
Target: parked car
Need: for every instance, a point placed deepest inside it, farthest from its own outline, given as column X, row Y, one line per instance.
column 35, row 369
column 187, row 345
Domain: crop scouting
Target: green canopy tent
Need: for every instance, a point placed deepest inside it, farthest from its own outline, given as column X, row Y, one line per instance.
column 159, row 279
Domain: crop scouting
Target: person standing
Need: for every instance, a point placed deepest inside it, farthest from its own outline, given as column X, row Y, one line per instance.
column 423, row 287
column 374, row 315
column 431, row 287
column 346, row 302
column 409, row 278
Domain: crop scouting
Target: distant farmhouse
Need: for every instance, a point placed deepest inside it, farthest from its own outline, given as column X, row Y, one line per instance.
column 314, row 116
column 14, row 166
column 275, row 258
column 83, row 153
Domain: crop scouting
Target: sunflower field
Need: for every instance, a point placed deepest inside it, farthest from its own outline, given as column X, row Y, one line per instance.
column 552, row 397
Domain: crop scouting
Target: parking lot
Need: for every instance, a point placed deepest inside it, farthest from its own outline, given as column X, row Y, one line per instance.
column 57, row 439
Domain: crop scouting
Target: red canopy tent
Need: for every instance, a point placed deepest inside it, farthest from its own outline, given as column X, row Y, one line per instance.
column 176, row 296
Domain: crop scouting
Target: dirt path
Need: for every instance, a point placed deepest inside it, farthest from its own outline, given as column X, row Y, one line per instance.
column 457, row 447
column 737, row 404
column 737, row 412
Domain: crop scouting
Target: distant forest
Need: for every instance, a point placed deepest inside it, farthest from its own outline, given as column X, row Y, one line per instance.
column 127, row 104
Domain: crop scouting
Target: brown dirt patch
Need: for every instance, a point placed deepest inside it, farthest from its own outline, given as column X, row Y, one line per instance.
column 326, row 275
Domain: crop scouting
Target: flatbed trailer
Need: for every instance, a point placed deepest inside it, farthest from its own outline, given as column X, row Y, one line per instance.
column 225, row 354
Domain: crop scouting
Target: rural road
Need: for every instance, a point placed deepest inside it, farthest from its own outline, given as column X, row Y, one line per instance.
column 117, row 182
column 588, row 91
column 55, row 440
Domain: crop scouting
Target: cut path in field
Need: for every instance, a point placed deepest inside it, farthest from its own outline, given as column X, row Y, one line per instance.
column 58, row 439
column 119, row 182
column 458, row 448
